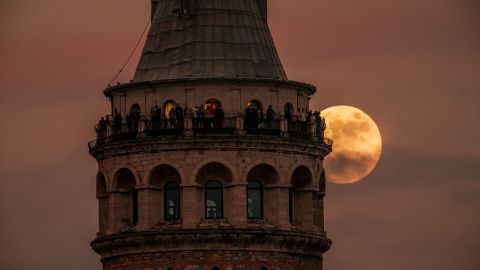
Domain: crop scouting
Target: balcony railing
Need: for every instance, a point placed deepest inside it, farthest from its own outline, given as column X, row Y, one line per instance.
column 109, row 132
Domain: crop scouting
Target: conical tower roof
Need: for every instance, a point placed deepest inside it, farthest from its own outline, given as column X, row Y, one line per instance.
column 209, row 39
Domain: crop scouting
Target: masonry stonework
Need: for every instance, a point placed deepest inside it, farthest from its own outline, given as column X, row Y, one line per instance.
column 179, row 193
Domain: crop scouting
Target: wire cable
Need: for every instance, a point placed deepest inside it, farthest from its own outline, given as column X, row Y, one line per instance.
column 131, row 54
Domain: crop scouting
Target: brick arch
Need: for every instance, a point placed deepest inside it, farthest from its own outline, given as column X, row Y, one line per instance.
column 150, row 170
column 220, row 170
column 101, row 184
column 294, row 167
column 302, row 177
column 108, row 179
column 258, row 172
column 225, row 163
column 322, row 181
column 132, row 169
column 249, row 168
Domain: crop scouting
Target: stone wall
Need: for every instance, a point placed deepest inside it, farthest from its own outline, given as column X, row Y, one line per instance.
column 207, row 260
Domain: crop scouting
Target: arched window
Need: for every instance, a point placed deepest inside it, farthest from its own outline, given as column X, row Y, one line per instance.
column 133, row 118
column 288, row 113
column 301, row 205
column 256, row 105
column 213, row 200
column 172, row 201
column 102, row 197
column 168, row 107
column 259, row 199
column 166, row 182
column 135, row 109
column 263, row 268
column 128, row 198
column 214, row 114
column 215, row 268
column 254, row 116
column 254, row 200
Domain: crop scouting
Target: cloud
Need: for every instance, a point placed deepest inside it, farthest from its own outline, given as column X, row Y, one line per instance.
column 414, row 209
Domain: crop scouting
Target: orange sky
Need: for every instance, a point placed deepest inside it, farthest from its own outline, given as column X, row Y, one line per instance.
column 412, row 65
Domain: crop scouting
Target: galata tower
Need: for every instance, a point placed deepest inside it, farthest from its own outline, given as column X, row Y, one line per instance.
column 211, row 158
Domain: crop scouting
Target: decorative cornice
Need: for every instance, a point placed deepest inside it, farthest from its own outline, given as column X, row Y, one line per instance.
column 223, row 143
column 212, row 239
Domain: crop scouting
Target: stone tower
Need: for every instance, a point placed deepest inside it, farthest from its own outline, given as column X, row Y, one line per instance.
column 209, row 160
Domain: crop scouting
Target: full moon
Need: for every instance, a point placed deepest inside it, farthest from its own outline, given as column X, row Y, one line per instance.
column 357, row 144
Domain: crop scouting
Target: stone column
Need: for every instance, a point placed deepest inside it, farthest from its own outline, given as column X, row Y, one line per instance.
column 276, row 206
column 150, row 207
column 190, row 202
column 303, row 208
column 235, row 204
column 120, row 210
column 103, row 213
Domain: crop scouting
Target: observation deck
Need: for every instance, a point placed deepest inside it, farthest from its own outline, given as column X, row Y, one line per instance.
column 311, row 132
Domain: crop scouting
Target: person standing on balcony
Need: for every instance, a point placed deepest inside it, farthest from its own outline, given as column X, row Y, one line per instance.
column 261, row 119
column 179, row 117
column 171, row 118
column 194, row 116
column 270, row 116
column 219, row 117
column 154, row 117
column 117, row 122
column 100, row 129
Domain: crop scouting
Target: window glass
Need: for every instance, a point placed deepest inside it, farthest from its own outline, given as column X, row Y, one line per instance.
column 254, row 200
column 172, row 201
column 213, row 200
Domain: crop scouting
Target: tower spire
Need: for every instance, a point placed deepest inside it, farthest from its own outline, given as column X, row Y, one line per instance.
column 209, row 39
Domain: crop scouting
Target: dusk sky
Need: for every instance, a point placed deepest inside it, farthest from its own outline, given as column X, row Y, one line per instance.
column 413, row 66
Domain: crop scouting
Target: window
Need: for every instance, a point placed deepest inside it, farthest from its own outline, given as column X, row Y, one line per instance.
column 213, row 200
column 135, row 206
column 171, row 202
column 254, row 200
column 290, row 205
column 128, row 200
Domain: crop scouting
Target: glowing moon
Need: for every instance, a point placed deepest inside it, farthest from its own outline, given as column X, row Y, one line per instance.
column 357, row 144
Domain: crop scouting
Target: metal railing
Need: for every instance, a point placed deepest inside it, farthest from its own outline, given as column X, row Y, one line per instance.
column 226, row 126
column 109, row 132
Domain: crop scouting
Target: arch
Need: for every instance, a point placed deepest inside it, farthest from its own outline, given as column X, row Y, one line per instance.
column 214, row 170
column 301, row 210
column 168, row 106
column 214, row 115
column 302, row 177
column 254, row 116
column 263, row 268
column 212, row 102
column 132, row 169
column 126, row 198
column 288, row 107
column 264, row 173
column 101, row 183
column 162, row 174
column 149, row 170
column 124, row 179
column 216, row 268
column 322, row 183
column 102, row 197
column 135, row 109
column 213, row 199
column 256, row 105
